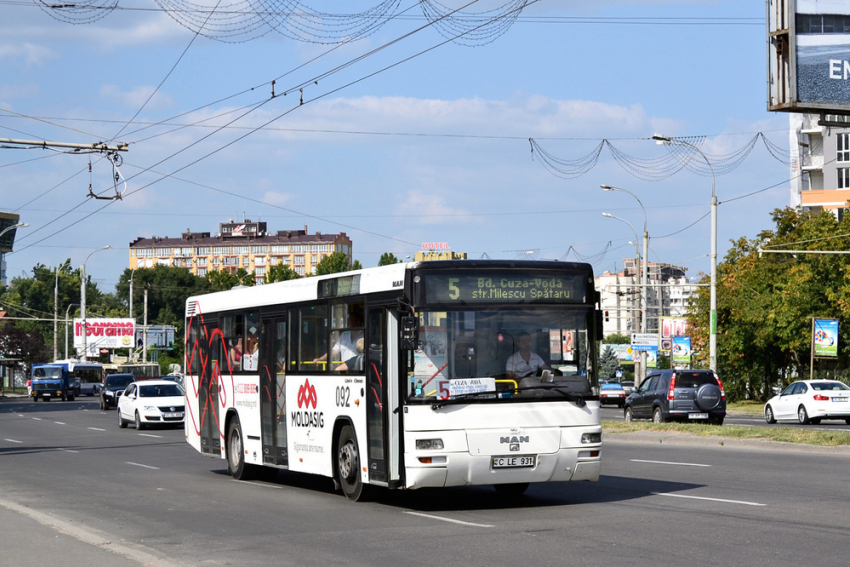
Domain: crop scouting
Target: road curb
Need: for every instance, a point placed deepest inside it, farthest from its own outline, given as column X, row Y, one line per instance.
column 676, row 438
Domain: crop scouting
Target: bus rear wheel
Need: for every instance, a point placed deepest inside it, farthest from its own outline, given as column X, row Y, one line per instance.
column 348, row 466
column 236, row 465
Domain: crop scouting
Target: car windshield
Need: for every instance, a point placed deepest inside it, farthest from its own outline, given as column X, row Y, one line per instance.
column 499, row 354
column 122, row 381
column 160, row 390
column 822, row 386
column 47, row 372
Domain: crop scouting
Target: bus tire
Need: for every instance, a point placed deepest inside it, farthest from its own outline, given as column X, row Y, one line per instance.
column 511, row 490
column 235, row 450
column 348, row 466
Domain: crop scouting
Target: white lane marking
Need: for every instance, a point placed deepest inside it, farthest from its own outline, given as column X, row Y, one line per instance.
column 143, row 466
column 13, row 441
column 37, row 418
column 68, row 450
column 258, row 484
column 670, row 463
column 709, row 499
column 149, row 435
column 448, row 520
column 96, row 429
column 59, row 423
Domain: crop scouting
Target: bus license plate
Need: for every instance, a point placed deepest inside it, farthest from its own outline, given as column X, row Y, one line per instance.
column 697, row 416
column 518, row 461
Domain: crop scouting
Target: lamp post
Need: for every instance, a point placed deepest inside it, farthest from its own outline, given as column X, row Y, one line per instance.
column 712, row 343
column 132, row 275
column 638, row 375
column 66, row 327
column 83, row 299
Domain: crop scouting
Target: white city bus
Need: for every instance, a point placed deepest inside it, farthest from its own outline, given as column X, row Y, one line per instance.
column 398, row 377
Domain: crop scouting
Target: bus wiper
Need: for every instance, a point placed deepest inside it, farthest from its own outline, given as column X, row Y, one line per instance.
column 459, row 398
column 579, row 400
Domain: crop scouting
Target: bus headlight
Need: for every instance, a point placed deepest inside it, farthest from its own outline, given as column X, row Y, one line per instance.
column 429, row 444
column 591, row 438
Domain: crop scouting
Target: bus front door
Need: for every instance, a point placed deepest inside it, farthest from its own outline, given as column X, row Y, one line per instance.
column 273, row 391
column 382, row 395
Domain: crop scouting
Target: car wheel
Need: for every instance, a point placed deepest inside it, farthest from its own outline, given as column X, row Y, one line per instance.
column 139, row 424
column 348, row 466
column 122, row 423
column 803, row 415
column 847, row 421
column 235, row 449
column 628, row 416
column 768, row 415
column 621, row 404
column 657, row 416
column 715, row 420
column 511, row 490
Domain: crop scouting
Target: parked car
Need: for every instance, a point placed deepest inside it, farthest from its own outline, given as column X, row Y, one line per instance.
column 810, row 401
column 678, row 394
column 151, row 402
column 174, row 377
column 113, row 386
column 628, row 386
column 612, row 393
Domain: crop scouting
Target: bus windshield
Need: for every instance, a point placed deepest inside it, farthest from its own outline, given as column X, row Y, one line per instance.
column 91, row 375
column 529, row 353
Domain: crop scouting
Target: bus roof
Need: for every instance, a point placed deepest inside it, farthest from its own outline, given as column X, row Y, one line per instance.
column 372, row 280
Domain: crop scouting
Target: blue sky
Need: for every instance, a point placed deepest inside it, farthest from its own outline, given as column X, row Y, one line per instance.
column 433, row 149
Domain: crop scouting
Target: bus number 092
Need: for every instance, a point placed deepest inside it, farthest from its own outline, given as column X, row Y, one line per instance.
column 343, row 396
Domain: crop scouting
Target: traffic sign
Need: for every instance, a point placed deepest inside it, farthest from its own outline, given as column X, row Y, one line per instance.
column 644, row 339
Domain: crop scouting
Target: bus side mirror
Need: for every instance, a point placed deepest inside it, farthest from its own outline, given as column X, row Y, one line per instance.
column 409, row 333
column 599, row 333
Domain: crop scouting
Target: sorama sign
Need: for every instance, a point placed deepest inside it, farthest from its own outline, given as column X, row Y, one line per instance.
column 105, row 333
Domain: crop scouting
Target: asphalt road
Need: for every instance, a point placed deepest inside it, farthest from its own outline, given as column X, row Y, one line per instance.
column 69, row 474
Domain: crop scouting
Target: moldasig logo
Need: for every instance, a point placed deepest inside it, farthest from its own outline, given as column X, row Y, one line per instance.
column 307, row 398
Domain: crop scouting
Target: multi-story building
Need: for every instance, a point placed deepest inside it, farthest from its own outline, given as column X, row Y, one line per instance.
column 243, row 244
column 820, row 162
column 668, row 295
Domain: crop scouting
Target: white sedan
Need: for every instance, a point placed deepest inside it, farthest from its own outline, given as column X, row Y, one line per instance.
column 810, row 401
column 151, row 402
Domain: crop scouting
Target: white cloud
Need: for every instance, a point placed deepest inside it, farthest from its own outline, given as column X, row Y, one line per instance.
column 28, row 53
column 429, row 209
column 136, row 97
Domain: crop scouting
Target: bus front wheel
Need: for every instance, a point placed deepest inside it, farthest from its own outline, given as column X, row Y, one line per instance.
column 348, row 466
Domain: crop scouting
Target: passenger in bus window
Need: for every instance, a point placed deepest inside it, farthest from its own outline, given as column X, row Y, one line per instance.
column 345, row 342
column 236, row 353
column 355, row 363
column 250, row 357
column 280, row 359
column 524, row 363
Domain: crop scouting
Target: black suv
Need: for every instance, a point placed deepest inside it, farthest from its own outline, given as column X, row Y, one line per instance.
column 113, row 386
column 678, row 394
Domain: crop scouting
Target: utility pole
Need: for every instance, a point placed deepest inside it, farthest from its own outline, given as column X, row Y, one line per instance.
column 145, row 331
column 56, row 316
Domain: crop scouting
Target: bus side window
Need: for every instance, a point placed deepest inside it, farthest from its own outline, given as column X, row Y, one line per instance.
column 312, row 338
column 251, row 354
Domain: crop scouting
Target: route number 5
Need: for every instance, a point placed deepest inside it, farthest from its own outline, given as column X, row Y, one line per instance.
column 454, row 291
column 443, row 389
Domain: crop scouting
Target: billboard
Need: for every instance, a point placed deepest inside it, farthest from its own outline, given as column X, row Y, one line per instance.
column 670, row 327
column 681, row 351
column 809, row 56
column 104, row 333
column 826, row 337
column 8, row 238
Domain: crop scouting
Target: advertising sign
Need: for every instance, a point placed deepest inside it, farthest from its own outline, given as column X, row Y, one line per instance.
column 104, row 333
column 809, row 55
column 681, row 351
column 160, row 337
column 826, row 337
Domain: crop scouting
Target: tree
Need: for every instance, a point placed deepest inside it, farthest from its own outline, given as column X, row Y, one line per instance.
column 387, row 259
column 334, row 263
column 617, row 340
column 280, row 273
column 221, row 280
column 28, row 345
column 608, row 364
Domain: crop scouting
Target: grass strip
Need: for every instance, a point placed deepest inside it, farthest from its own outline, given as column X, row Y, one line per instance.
column 783, row 434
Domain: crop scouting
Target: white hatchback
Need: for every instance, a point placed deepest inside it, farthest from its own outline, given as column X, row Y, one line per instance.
column 810, row 401
column 152, row 402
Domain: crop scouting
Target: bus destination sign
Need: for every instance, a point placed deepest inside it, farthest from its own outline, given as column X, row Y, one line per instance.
column 503, row 288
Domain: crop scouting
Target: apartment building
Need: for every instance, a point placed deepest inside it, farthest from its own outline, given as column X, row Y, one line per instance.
column 820, row 162
column 244, row 244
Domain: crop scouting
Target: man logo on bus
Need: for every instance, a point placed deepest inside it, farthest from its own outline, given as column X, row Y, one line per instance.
column 307, row 395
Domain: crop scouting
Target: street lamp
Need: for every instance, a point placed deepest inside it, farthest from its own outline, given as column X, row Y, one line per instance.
column 83, row 298
column 712, row 344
